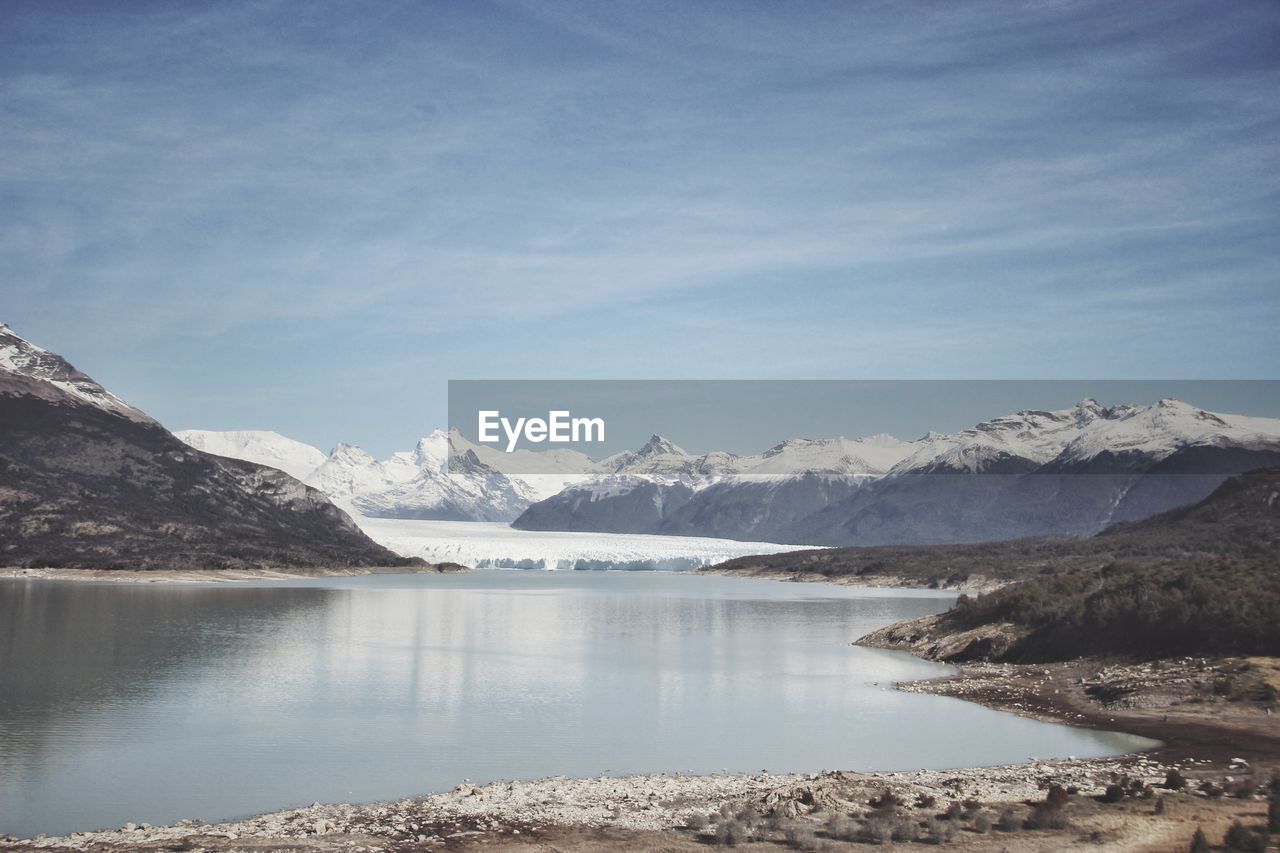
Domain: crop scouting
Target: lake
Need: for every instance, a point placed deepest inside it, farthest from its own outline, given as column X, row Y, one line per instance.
column 155, row 702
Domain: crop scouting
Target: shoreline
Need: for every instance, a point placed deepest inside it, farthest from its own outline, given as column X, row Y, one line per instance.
column 1213, row 741
column 287, row 573
column 653, row 812
column 973, row 585
column 223, row 575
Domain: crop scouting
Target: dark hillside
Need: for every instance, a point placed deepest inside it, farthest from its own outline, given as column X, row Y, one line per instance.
column 1203, row 580
column 87, row 481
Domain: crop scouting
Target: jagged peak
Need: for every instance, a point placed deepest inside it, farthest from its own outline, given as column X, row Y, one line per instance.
column 435, row 439
column 659, row 445
column 350, row 452
column 1175, row 403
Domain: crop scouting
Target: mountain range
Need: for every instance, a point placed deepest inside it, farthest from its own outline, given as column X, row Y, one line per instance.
column 88, row 481
column 1070, row 471
column 428, row 482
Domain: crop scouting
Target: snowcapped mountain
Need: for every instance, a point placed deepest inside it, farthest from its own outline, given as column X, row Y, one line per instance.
column 860, row 457
column 264, row 447
column 663, row 489
column 826, row 491
column 1027, row 440
column 1018, row 442
column 52, row 373
column 880, row 490
column 1164, row 429
column 662, row 459
column 427, row 483
column 557, row 468
column 448, row 478
column 86, row 480
column 435, row 480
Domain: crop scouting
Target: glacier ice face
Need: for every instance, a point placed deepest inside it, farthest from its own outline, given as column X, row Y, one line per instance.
column 499, row 546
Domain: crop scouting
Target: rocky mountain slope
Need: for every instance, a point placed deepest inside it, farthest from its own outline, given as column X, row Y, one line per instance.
column 86, row 480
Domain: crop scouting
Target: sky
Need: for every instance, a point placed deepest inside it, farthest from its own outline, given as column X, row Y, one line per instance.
column 307, row 217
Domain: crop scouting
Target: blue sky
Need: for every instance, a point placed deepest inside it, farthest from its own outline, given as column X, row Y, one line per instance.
column 307, row 217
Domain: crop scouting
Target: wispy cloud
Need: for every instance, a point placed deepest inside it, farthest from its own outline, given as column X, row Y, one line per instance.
column 267, row 193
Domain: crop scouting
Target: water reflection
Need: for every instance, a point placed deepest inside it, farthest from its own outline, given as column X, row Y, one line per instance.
column 124, row 702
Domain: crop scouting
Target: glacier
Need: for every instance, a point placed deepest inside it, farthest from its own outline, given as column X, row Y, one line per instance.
column 494, row 545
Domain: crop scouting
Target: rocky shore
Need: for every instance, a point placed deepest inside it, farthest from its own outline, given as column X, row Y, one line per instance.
column 972, row 809
column 224, row 575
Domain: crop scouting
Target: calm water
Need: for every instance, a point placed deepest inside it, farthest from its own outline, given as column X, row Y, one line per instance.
column 158, row 702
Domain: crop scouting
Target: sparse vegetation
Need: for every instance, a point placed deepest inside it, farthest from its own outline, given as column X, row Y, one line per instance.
column 1009, row 821
column 1160, row 609
column 842, row 828
column 1174, row 780
column 800, row 836
column 1049, row 814
column 877, row 830
column 1239, row 837
column 937, row 831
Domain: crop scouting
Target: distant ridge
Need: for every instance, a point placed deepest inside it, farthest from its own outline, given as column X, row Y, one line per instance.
column 1073, row 471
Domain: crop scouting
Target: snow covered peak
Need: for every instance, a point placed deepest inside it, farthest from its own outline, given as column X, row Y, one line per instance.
column 20, row 357
column 350, row 454
column 264, row 447
column 1165, row 427
column 659, row 446
column 432, row 451
column 1031, row 438
column 1021, row 440
column 659, row 458
column 868, row 456
column 1088, row 409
